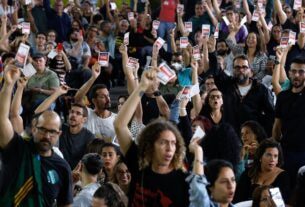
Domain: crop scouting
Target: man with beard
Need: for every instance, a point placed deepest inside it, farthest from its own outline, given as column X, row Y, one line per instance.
column 289, row 123
column 33, row 174
column 244, row 98
column 100, row 119
column 74, row 137
column 225, row 55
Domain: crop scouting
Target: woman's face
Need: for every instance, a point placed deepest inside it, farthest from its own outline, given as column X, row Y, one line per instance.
column 247, row 136
column 266, row 200
column 251, row 40
column 269, row 160
column 276, row 33
column 75, row 25
column 123, row 175
column 224, row 187
column 109, row 157
column 215, row 100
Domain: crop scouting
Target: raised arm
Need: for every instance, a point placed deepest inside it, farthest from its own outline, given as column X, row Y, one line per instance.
column 15, row 117
column 279, row 74
column 210, row 13
column 128, row 109
column 196, row 99
column 301, row 40
column 81, row 93
column 276, row 131
column 51, row 99
column 280, row 12
column 11, row 75
column 247, row 11
column 217, row 9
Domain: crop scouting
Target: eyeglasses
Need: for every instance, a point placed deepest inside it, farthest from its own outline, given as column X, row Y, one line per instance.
column 122, row 172
column 295, row 71
column 244, row 67
column 43, row 130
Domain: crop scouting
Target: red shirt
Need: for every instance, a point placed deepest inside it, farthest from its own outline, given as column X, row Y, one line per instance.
column 168, row 10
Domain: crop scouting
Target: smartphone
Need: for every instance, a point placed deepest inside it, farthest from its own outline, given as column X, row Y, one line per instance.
column 59, row 47
column 277, row 197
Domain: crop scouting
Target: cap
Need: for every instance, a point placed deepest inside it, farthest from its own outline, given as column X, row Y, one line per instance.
column 38, row 55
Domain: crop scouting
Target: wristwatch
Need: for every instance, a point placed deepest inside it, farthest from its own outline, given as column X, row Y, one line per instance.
column 276, row 62
column 157, row 93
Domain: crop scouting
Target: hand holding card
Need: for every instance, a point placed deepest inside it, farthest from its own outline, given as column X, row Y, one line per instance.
column 103, row 59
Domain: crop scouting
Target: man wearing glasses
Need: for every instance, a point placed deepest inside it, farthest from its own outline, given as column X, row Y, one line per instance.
column 33, row 175
column 244, row 98
column 289, row 122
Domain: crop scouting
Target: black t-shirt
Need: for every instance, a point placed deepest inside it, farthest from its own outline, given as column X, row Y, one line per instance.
column 290, row 25
column 73, row 146
column 151, row 189
column 55, row 172
column 290, row 108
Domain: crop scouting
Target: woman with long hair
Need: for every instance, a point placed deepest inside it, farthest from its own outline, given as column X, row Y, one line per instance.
column 266, row 170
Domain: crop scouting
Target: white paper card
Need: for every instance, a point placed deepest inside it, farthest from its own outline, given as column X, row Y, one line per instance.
column 28, row 70
column 27, row 2
column 165, row 73
column 243, row 20
column 255, row 16
column 199, row 133
column 52, row 54
column 156, row 24
column 184, row 41
column 188, row 26
column 126, row 38
column 113, row 6
column 26, row 27
column 159, row 42
column 22, row 54
column 292, row 38
column 194, row 90
column 216, row 33
column 132, row 62
column 302, row 27
column 103, row 59
column 196, row 53
column 226, row 20
column 297, row 4
column 186, row 93
column 206, row 30
column 284, row 40
column 130, row 16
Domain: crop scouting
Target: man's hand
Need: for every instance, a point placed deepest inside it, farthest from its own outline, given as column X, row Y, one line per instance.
column 148, row 78
column 96, row 70
column 11, row 74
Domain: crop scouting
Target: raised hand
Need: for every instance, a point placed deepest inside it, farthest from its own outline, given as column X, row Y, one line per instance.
column 123, row 49
column 148, row 78
column 22, row 82
column 11, row 74
column 63, row 89
column 96, row 70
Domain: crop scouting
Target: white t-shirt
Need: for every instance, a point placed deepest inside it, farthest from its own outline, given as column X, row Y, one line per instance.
column 244, row 89
column 100, row 127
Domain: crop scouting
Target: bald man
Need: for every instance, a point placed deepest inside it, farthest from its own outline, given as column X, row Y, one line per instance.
column 33, row 175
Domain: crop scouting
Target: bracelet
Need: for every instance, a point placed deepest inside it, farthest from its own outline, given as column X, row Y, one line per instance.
column 182, row 108
column 136, row 78
column 200, row 162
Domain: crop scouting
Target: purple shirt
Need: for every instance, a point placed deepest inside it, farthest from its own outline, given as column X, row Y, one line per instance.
column 240, row 35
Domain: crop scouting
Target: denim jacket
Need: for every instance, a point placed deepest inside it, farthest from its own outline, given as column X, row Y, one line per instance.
column 199, row 196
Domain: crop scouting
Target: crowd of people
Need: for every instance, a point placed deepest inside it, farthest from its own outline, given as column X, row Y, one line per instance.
column 213, row 113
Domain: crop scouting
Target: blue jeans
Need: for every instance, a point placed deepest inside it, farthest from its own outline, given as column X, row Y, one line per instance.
column 163, row 30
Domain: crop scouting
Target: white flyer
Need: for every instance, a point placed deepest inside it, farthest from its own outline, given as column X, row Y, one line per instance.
column 243, row 20
column 196, row 53
column 206, row 29
column 226, row 20
column 159, row 42
column 126, row 38
column 297, row 4
column 184, row 41
column 22, row 55
column 28, row 70
column 132, row 62
column 302, row 27
column 155, row 24
column 52, row 54
column 199, row 133
column 165, row 73
column 188, row 26
column 255, row 16
column 130, row 16
column 26, row 27
column 103, row 59
column 113, row 6
column 292, row 37
column 284, row 40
